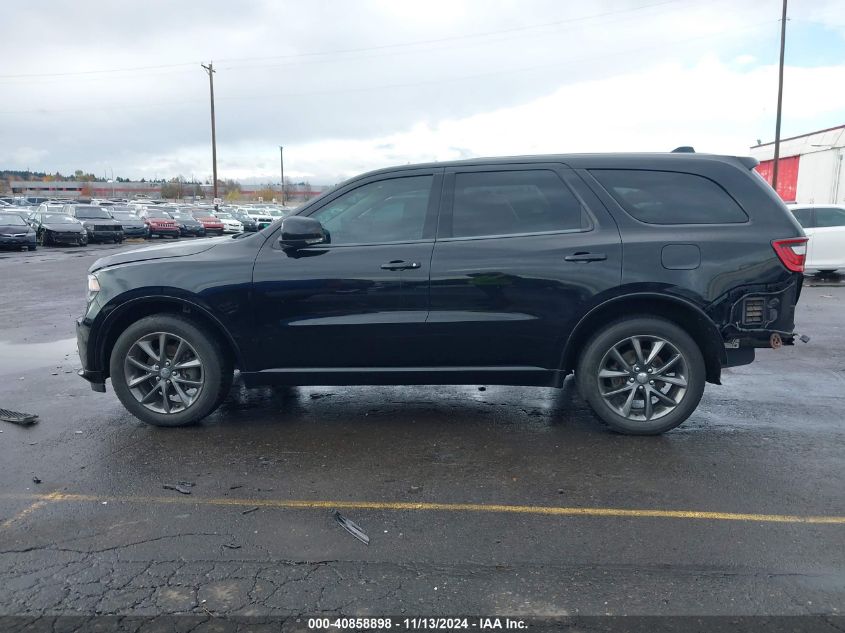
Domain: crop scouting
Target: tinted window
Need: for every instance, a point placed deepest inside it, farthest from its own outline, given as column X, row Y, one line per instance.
column 804, row 217
column 509, row 202
column 385, row 211
column 667, row 197
column 830, row 216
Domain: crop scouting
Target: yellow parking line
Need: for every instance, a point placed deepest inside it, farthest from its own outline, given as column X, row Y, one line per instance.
column 42, row 500
column 446, row 507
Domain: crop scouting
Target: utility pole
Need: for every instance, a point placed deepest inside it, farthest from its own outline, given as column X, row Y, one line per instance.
column 210, row 70
column 282, row 159
column 780, row 99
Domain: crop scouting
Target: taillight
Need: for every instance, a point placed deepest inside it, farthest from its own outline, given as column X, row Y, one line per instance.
column 792, row 253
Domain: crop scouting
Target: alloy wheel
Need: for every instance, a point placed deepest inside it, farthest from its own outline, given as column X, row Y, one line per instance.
column 164, row 372
column 643, row 378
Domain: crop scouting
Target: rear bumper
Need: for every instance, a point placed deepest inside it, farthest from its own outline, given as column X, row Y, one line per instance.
column 755, row 316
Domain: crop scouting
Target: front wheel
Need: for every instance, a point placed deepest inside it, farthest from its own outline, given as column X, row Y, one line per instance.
column 642, row 376
column 83, row 241
column 168, row 370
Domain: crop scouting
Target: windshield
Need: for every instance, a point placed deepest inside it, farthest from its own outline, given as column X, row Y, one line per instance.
column 92, row 213
column 56, row 218
column 225, row 216
column 181, row 216
column 123, row 215
column 11, row 220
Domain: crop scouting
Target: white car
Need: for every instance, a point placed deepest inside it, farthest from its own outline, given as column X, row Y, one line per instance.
column 230, row 224
column 261, row 217
column 824, row 224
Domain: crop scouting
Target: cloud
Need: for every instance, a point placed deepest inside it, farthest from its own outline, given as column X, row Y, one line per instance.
column 348, row 86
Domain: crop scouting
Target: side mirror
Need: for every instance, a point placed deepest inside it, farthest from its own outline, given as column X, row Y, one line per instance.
column 300, row 231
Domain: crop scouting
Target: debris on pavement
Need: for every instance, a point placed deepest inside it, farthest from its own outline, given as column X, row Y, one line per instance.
column 354, row 529
column 415, row 489
column 231, row 546
column 16, row 417
column 250, row 511
column 36, row 480
column 482, row 388
column 180, row 486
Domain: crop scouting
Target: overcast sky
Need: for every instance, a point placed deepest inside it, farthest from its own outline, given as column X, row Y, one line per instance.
column 351, row 85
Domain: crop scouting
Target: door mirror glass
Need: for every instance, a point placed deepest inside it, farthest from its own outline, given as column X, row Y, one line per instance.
column 299, row 232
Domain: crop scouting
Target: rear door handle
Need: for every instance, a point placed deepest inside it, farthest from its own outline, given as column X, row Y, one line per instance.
column 400, row 264
column 585, row 257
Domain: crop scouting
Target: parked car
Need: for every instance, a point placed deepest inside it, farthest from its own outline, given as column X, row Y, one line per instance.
column 241, row 216
column 15, row 232
column 58, row 228
column 99, row 225
column 188, row 225
column 159, row 223
column 824, row 225
column 210, row 223
column 261, row 217
column 644, row 274
column 133, row 226
column 230, row 223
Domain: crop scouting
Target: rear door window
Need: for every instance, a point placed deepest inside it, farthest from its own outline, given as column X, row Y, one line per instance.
column 669, row 197
column 830, row 216
column 514, row 202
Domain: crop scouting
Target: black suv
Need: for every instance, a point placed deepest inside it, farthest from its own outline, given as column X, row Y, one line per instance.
column 645, row 274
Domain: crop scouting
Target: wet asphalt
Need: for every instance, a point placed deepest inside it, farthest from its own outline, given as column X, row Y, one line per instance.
column 101, row 535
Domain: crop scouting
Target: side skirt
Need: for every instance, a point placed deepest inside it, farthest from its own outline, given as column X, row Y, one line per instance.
column 518, row 376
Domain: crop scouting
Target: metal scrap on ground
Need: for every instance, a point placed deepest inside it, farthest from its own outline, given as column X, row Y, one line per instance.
column 16, row 417
column 180, row 486
column 354, row 529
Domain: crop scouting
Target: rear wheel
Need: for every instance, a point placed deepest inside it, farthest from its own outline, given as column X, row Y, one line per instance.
column 169, row 371
column 32, row 247
column 642, row 376
column 83, row 240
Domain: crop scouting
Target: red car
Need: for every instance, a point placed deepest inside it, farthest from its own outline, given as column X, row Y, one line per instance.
column 159, row 224
column 211, row 224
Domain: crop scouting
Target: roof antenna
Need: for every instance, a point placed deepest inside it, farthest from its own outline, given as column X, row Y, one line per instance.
column 684, row 149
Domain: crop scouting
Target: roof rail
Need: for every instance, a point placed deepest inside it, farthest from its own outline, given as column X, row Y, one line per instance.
column 684, row 149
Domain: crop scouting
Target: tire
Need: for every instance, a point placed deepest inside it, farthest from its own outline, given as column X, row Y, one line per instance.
column 210, row 368
column 31, row 248
column 610, row 395
column 43, row 237
column 83, row 241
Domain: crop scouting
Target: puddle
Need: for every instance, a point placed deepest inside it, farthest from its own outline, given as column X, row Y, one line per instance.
column 59, row 356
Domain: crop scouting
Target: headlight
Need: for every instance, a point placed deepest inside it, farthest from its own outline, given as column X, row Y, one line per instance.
column 93, row 287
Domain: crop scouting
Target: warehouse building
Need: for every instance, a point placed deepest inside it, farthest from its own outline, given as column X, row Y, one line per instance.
column 810, row 168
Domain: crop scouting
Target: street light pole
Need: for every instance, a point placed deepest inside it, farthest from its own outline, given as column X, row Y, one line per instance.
column 780, row 99
column 282, row 162
column 210, row 70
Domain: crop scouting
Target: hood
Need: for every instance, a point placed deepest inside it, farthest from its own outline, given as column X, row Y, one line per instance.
column 14, row 228
column 164, row 251
column 64, row 228
column 98, row 221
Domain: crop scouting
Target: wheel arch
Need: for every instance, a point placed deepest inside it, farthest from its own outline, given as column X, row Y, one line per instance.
column 136, row 309
column 680, row 311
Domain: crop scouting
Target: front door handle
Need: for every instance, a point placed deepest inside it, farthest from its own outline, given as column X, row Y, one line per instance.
column 400, row 264
column 585, row 257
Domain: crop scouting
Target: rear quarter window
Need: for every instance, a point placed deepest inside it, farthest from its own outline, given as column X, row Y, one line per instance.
column 669, row 197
